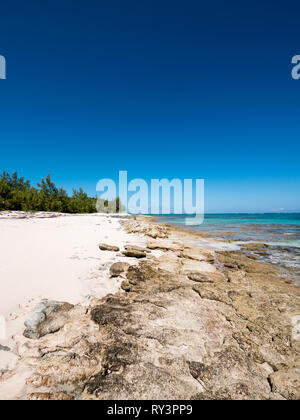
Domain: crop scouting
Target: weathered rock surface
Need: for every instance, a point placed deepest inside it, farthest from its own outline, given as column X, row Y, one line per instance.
column 148, row 229
column 105, row 247
column 134, row 253
column 210, row 332
column 47, row 317
column 233, row 345
column 189, row 265
column 118, row 268
column 286, row 382
column 136, row 248
column 255, row 246
column 165, row 245
column 198, row 254
column 239, row 261
column 204, row 277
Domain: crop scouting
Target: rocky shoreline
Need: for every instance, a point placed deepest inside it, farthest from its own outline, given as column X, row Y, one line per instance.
column 187, row 323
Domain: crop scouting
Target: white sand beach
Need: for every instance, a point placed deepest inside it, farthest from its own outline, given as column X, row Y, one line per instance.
column 57, row 258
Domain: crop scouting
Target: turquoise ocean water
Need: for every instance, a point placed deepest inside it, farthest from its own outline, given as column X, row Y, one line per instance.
column 281, row 231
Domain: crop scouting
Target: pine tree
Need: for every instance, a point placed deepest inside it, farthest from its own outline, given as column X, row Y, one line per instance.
column 17, row 194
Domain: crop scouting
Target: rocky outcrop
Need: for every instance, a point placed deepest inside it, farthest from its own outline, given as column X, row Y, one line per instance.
column 134, row 253
column 47, row 317
column 206, row 277
column 105, row 247
column 148, row 229
column 233, row 347
column 286, row 382
column 165, row 245
column 118, row 268
column 225, row 327
column 136, row 248
column 255, row 246
column 195, row 253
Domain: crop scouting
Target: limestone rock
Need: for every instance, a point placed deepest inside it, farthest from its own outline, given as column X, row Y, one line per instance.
column 134, row 253
column 194, row 253
column 238, row 261
column 189, row 265
column 180, row 328
column 170, row 262
column 118, row 268
column 136, row 248
column 47, row 317
column 157, row 232
column 105, row 247
column 287, row 382
column 147, row 229
column 165, row 245
column 204, row 277
column 255, row 246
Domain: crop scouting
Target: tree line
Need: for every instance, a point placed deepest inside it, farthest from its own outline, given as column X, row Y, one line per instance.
column 16, row 193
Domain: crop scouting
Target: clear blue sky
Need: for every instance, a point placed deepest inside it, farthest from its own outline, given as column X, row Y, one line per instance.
column 161, row 88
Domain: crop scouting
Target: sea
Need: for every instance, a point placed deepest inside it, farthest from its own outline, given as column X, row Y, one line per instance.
column 280, row 231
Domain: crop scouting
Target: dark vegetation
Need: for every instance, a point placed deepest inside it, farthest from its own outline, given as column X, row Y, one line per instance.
column 18, row 194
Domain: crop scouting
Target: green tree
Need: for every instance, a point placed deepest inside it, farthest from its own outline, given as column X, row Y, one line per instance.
column 17, row 194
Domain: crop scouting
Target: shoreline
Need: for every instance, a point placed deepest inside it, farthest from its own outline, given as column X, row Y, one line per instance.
column 228, row 306
column 34, row 247
column 52, row 256
column 262, row 250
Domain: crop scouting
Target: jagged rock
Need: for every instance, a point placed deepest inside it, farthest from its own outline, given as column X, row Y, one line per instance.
column 203, row 277
column 118, row 268
column 165, row 245
column 236, row 277
column 164, row 336
column 136, row 248
column 172, row 262
column 105, row 247
column 134, row 253
column 47, row 317
column 239, row 261
column 252, row 257
column 157, row 232
column 255, row 246
column 286, row 382
column 189, row 265
column 147, row 229
column 231, row 362
column 194, row 253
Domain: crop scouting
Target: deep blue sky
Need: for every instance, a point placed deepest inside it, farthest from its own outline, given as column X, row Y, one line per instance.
column 160, row 88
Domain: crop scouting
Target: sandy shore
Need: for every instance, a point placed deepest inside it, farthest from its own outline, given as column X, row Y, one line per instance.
column 185, row 318
column 43, row 256
column 56, row 258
